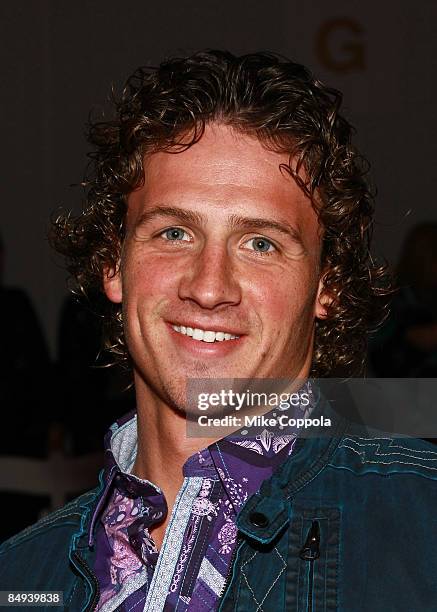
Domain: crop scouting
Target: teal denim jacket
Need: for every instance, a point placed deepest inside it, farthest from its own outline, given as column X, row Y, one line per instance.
column 348, row 523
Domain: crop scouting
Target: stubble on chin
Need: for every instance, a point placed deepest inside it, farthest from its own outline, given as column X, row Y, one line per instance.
column 175, row 391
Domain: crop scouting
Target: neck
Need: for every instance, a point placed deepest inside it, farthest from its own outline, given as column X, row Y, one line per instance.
column 163, row 445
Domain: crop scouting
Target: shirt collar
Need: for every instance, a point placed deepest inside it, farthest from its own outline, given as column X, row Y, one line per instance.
column 261, row 452
column 245, row 459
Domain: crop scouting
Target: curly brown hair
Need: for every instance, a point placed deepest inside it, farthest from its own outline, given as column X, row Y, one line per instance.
column 286, row 108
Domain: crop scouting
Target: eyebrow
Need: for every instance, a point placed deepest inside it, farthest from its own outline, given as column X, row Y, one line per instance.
column 187, row 216
column 234, row 221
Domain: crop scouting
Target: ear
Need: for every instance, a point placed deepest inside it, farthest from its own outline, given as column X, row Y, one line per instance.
column 112, row 284
column 323, row 300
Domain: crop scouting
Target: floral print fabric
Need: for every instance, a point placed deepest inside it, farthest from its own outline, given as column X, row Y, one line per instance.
column 231, row 470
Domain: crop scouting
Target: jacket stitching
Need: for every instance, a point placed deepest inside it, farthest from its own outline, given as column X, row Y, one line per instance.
column 259, row 605
column 70, row 510
column 245, row 578
column 253, row 594
column 73, row 591
column 372, row 472
column 276, row 579
column 32, row 532
column 377, row 442
column 374, row 442
column 364, row 460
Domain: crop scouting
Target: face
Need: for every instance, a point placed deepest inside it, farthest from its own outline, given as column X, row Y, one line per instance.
column 220, row 268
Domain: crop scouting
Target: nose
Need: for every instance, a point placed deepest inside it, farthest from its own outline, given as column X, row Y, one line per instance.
column 210, row 282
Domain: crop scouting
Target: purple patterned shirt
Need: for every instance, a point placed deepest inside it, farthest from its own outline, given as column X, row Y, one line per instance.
column 190, row 571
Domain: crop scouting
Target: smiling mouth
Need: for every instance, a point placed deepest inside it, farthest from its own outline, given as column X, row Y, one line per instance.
column 204, row 335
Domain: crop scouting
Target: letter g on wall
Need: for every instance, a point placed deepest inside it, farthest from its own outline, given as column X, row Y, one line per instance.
column 337, row 52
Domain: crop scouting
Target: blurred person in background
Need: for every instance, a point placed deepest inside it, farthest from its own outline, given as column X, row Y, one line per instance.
column 90, row 390
column 406, row 345
column 26, row 395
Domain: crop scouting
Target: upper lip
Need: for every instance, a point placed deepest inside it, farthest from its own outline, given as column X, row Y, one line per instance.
column 217, row 327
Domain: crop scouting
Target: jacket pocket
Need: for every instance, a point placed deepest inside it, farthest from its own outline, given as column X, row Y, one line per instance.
column 310, row 552
column 312, row 565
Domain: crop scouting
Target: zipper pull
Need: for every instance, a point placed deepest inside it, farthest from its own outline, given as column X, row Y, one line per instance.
column 311, row 548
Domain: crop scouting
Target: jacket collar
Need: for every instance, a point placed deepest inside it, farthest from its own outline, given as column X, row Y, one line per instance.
column 267, row 512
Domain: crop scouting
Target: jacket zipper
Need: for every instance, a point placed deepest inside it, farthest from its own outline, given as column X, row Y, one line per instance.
column 96, row 596
column 230, row 570
column 310, row 552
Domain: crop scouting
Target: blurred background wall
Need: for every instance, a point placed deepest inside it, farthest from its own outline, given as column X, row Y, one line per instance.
column 60, row 59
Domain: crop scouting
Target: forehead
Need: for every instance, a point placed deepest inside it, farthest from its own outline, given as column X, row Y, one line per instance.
column 225, row 172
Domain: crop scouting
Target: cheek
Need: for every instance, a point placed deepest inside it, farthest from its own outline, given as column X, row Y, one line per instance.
column 283, row 298
column 148, row 287
column 149, row 278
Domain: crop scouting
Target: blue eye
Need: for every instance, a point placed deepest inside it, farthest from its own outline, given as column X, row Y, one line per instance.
column 174, row 233
column 262, row 245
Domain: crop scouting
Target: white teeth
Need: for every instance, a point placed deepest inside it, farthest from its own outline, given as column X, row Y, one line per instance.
column 204, row 335
column 208, row 336
column 197, row 334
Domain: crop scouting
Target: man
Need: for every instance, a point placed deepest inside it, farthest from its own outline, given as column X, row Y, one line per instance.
column 228, row 223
